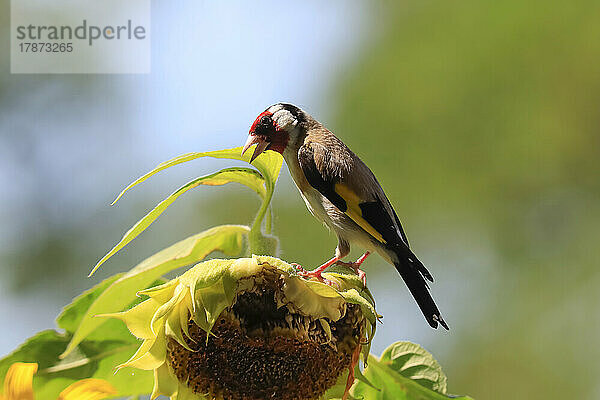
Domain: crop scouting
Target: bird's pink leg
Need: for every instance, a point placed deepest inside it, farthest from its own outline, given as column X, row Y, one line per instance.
column 356, row 265
column 316, row 273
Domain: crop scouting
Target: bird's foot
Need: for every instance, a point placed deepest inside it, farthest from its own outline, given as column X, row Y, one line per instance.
column 299, row 268
column 318, row 272
column 351, row 367
column 356, row 266
column 317, row 275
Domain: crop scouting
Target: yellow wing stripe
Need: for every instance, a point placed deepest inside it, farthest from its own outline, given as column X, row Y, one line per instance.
column 354, row 212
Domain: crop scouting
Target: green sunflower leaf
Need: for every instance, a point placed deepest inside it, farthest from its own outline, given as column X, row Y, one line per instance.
column 227, row 239
column 70, row 317
column 269, row 164
column 405, row 371
column 414, row 362
column 337, row 391
column 246, row 176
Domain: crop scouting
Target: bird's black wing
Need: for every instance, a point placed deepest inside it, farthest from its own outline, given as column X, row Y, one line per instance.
column 320, row 178
column 324, row 171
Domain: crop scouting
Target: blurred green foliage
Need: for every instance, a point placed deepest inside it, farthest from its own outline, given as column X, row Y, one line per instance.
column 482, row 118
column 482, row 122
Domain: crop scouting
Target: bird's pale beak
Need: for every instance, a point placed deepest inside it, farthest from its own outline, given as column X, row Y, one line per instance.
column 261, row 145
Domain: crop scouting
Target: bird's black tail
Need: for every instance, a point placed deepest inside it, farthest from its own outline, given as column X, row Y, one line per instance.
column 413, row 272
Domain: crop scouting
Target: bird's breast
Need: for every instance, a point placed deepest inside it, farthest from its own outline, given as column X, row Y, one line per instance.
column 312, row 198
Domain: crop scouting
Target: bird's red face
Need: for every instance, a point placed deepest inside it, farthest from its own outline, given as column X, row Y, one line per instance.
column 266, row 134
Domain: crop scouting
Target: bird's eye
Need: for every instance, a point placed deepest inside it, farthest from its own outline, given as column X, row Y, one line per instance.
column 266, row 120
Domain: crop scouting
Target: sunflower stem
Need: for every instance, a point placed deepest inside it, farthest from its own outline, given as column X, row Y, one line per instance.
column 268, row 221
column 260, row 243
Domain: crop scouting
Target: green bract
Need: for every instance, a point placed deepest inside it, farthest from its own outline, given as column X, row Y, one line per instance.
column 306, row 330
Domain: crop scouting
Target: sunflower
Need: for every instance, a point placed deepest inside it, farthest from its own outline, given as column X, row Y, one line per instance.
column 18, row 385
column 250, row 328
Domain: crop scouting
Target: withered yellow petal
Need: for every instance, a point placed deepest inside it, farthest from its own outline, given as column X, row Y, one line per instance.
column 18, row 383
column 299, row 292
column 88, row 389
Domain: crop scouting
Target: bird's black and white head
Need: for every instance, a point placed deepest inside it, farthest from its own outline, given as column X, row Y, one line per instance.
column 276, row 128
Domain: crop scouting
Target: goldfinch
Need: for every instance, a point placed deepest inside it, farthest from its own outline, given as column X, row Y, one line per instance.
column 343, row 193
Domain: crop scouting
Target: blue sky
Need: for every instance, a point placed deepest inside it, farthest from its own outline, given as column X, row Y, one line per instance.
column 215, row 66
